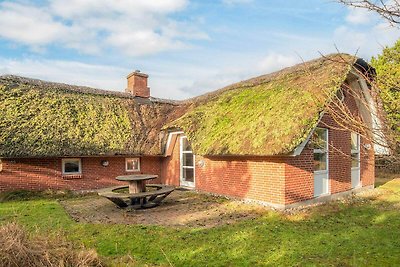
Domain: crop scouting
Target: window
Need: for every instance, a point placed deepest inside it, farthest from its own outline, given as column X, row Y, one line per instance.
column 187, row 161
column 71, row 166
column 319, row 143
column 132, row 164
column 355, row 150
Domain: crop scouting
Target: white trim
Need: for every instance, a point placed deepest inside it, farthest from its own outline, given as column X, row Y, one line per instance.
column 326, row 172
column 323, row 151
column 169, row 141
column 380, row 146
column 64, row 160
column 181, row 167
column 297, row 151
column 358, row 168
column 126, row 164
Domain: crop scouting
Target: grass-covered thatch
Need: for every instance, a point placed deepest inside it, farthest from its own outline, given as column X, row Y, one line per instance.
column 267, row 115
column 39, row 119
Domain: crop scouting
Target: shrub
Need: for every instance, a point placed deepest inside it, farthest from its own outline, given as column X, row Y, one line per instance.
column 18, row 248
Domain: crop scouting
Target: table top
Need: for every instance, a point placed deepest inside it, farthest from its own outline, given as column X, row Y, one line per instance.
column 136, row 177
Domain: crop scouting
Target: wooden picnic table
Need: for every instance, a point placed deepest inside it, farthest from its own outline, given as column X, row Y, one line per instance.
column 137, row 182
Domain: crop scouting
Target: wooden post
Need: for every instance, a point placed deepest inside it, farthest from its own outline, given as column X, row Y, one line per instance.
column 137, row 187
column 133, row 187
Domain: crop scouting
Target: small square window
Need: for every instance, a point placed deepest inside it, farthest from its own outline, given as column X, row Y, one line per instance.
column 71, row 166
column 132, row 164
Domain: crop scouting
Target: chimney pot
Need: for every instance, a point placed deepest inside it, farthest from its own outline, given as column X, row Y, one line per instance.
column 137, row 84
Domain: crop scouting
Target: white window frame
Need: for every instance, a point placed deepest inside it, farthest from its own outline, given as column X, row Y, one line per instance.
column 321, row 151
column 357, row 150
column 126, row 164
column 65, row 160
column 185, row 183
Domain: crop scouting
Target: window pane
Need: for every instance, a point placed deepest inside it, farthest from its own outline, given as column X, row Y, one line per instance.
column 318, row 140
column 132, row 164
column 355, row 162
column 185, row 145
column 187, row 159
column 320, row 161
column 354, row 141
column 188, row 174
column 71, row 166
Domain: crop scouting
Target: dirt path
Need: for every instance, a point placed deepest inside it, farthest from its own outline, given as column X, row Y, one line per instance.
column 180, row 209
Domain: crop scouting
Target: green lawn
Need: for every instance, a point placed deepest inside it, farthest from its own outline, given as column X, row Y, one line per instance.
column 364, row 231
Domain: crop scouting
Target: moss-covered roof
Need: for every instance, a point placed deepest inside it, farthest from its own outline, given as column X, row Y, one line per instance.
column 267, row 115
column 43, row 119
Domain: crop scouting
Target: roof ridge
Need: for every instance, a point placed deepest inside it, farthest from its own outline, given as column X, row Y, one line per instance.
column 78, row 88
column 265, row 78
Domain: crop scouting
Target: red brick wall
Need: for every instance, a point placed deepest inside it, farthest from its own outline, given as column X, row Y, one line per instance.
column 367, row 164
column 257, row 178
column 299, row 177
column 278, row 180
column 40, row 174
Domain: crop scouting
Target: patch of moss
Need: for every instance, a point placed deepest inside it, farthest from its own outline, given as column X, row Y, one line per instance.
column 264, row 116
column 38, row 122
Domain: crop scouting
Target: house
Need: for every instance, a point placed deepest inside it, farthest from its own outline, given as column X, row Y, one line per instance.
column 280, row 139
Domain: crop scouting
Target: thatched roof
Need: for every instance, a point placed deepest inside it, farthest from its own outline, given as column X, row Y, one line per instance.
column 267, row 115
column 44, row 119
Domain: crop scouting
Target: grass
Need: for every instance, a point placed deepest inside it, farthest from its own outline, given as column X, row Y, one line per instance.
column 362, row 231
column 267, row 115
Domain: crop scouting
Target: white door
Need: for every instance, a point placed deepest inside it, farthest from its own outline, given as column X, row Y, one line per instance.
column 355, row 160
column 187, row 163
column 321, row 171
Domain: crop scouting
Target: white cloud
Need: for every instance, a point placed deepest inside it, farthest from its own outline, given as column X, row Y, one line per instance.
column 71, row 72
column 367, row 41
column 236, row 2
column 106, row 77
column 364, row 33
column 275, row 61
column 29, row 25
column 359, row 16
column 133, row 27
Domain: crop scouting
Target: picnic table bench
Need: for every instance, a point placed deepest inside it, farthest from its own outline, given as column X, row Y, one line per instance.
column 146, row 199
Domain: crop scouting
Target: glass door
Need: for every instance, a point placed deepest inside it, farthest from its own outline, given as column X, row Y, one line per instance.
column 321, row 172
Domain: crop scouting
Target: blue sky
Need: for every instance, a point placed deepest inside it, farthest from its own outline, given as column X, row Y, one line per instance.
column 187, row 47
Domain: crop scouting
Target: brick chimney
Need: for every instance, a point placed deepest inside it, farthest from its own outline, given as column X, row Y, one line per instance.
column 137, row 84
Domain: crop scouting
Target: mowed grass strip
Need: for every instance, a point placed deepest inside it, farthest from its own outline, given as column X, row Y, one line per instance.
column 361, row 231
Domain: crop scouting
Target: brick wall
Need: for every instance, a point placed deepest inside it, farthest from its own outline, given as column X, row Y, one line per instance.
column 299, row 177
column 257, row 178
column 40, row 174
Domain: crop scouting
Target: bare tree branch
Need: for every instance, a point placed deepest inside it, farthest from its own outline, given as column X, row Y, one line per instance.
column 388, row 9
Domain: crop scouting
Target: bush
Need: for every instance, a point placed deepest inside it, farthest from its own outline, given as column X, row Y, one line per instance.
column 18, row 248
